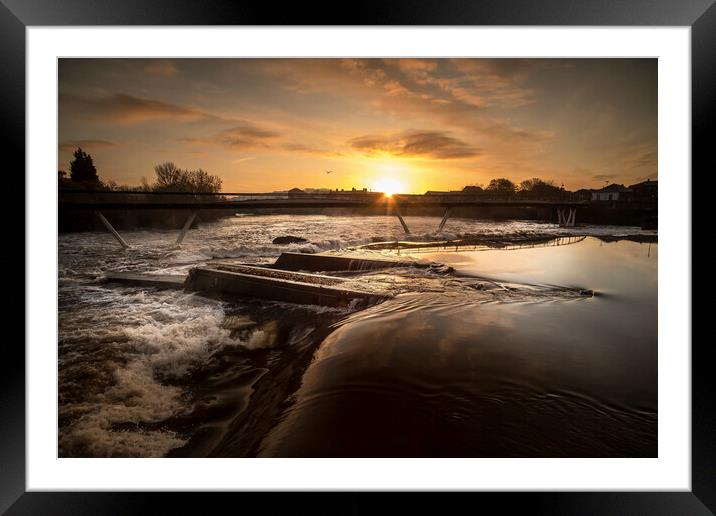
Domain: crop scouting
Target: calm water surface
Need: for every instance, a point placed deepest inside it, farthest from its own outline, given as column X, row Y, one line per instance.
column 548, row 350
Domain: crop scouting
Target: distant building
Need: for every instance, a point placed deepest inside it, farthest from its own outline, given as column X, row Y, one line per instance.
column 472, row 189
column 583, row 194
column 646, row 191
column 295, row 192
column 317, row 190
column 612, row 192
column 466, row 190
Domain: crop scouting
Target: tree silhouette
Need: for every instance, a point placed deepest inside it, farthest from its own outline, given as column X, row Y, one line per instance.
column 169, row 178
column 538, row 188
column 173, row 179
column 82, row 169
column 501, row 186
column 202, row 181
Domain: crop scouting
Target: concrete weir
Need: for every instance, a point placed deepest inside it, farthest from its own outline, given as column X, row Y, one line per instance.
column 168, row 281
column 327, row 262
column 223, row 283
column 226, row 280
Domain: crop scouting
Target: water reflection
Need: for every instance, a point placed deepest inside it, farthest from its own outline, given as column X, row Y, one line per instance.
column 429, row 374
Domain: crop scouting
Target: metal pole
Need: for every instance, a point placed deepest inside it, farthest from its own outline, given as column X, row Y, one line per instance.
column 106, row 223
column 186, row 227
column 400, row 217
column 442, row 222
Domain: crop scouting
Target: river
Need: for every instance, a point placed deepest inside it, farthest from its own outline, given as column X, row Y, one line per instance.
column 533, row 341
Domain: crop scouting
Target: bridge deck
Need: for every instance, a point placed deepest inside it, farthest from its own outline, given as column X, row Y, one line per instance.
column 309, row 203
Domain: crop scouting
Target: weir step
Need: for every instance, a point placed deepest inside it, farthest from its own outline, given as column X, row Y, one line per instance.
column 270, row 272
column 172, row 281
column 327, row 263
column 225, row 283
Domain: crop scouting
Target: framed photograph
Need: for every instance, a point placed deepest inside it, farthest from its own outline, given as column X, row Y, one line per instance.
column 410, row 250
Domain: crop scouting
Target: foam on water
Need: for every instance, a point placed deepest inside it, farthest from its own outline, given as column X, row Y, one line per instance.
column 135, row 340
column 135, row 398
column 140, row 341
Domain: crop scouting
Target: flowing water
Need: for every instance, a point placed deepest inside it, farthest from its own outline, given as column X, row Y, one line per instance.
column 534, row 340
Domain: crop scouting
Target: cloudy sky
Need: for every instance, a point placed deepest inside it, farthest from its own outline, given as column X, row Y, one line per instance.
column 439, row 124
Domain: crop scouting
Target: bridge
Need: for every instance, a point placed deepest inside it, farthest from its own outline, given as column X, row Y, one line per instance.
column 99, row 201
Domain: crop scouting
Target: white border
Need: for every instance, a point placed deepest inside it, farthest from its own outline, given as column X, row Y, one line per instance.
column 671, row 471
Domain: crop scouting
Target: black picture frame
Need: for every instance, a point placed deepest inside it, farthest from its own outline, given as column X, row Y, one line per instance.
column 16, row 15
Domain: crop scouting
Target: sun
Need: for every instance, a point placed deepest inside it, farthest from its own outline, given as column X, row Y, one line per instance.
column 388, row 186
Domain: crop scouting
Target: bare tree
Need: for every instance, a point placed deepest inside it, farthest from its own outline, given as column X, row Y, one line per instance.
column 169, row 178
column 173, row 179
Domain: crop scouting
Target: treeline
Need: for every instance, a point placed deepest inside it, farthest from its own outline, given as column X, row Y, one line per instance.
column 168, row 178
column 535, row 187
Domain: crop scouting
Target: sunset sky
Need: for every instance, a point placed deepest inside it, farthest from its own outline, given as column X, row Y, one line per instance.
column 424, row 124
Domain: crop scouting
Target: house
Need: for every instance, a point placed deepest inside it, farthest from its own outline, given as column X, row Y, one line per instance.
column 646, row 191
column 472, row 189
column 297, row 192
column 467, row 190
column 317, row 190
column 612, row 192
column 582, row 194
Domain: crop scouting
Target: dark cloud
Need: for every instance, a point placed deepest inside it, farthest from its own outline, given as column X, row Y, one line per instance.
column 128, row 109
column 634, row 157
column 648, row 159
column 604, row 177
column 303, row 148
column 70, row 146
column 517, row 135
column 248, row 135
column 160, row 68
column 429, row 144
column 243, row 136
